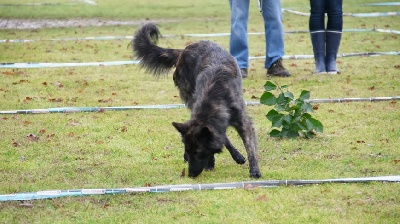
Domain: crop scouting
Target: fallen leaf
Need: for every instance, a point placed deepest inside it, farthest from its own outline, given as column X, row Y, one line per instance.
column 124, row 129
column 54, row 100
column 73, row 123
column 20, row 81
column 13, row 72
column 27, row 122
column 183, row 173
column 26, row 204
column 105, row 101
column 262, row 197
column 58, row 84
column 250, row 187
column 32, row 138
column 348, row 80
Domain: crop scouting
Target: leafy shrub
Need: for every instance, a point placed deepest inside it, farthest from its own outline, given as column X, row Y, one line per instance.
column 290, row 117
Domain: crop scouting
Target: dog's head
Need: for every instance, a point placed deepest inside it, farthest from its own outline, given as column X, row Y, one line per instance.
column 201, row 143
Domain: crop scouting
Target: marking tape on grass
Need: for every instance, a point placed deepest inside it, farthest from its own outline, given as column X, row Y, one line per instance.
column 176, row 106
column 48, row 4
column 113, row 63
column 372, row 14
column 383, row 4
column 69, row 39
column 190, row 187
column 56, row 65
column 176, row 35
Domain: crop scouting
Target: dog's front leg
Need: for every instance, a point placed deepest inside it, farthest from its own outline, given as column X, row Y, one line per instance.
column 248, row 135
column 210, row 164
column 236, row 155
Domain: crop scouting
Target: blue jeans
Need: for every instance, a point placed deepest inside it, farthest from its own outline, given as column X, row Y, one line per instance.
column 317, row 17
column 272, row 15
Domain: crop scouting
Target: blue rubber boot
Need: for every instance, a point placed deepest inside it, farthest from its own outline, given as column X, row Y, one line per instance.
column 318, row 43
column 332, row 47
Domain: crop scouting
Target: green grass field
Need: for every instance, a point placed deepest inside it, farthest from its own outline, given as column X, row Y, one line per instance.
column 135, row 148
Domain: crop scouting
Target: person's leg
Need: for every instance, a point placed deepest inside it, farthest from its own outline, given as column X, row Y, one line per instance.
column 317, row 33
column 274, row 37
column 272, row 14
column 333, row 34
column 238, row 45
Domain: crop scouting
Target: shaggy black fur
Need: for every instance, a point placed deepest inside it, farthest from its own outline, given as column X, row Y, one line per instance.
column 210, row 83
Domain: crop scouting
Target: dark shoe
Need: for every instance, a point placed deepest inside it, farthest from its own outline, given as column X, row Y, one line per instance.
column 277, row 69
column 243, row 71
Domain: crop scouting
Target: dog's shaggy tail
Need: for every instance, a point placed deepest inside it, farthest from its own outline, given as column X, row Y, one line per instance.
column 153, row 58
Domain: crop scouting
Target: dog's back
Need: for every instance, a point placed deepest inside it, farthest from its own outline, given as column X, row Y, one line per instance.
column 206, row 63
column 158, row 60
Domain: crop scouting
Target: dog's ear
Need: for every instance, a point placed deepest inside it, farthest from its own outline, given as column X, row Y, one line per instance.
column 181, row 127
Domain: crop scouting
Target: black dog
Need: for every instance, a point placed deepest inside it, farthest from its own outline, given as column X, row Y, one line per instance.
column 209, row 82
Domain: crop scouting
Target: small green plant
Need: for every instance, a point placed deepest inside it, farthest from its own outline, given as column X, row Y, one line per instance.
column 290, row 117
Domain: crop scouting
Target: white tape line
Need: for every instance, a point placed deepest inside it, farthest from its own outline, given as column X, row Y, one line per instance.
column 132, row 190
column 56, row 65
column 93, row 191
column 56, row 192
column 90, row 2
column 181, row 189
column 383, row 4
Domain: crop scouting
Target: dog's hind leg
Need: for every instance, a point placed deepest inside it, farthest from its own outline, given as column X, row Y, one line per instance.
column 247, row 133
column 236, row 155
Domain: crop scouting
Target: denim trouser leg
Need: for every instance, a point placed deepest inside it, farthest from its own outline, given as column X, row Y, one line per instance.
column 272, row 14
column 238, row 45
column 317, row 15
column 335, row 15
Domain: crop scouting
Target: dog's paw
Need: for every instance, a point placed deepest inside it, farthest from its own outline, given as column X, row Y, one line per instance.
column 209, row 168
column 255, row 174
column 240, row 159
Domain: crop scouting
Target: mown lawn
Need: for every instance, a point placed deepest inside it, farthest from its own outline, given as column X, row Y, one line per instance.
column 135, row 148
